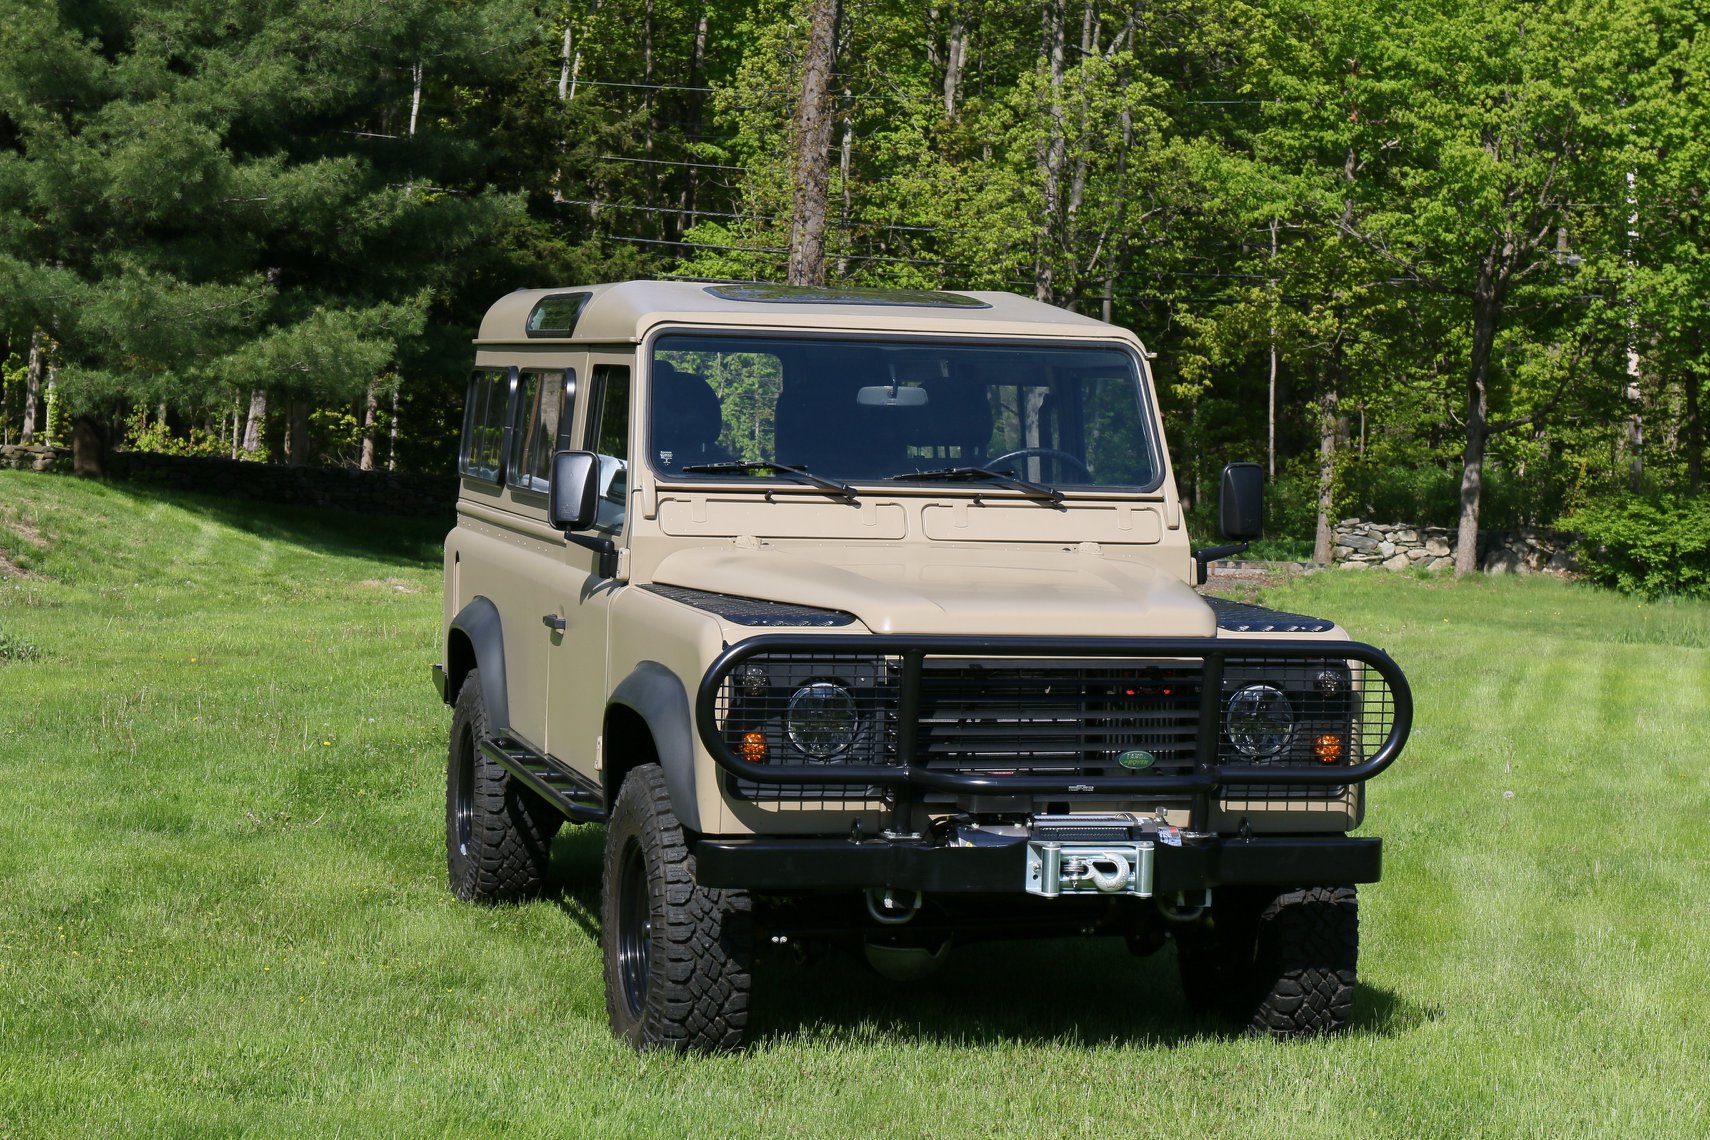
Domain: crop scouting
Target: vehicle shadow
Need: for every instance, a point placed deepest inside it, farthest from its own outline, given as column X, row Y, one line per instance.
column 577, row 854
column 1070, row 990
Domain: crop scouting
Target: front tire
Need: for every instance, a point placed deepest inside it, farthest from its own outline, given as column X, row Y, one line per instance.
column 1282, row 964
column 498, row 833
column 678, row 956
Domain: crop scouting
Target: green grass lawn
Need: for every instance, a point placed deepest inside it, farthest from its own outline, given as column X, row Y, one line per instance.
column 224, row 910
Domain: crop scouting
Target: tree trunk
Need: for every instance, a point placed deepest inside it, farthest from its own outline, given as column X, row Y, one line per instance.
column 297, row 432
column 1053, row 146
column 955, row 59
column 1328, row 418
column 697, row 107
column 392, row 425
column 813, row 147
column 32, row 386
column 1271, row 399
column 255, row 425
column 88, row 446
column 1692, row 431
column 1487, row 312
column 370, row 409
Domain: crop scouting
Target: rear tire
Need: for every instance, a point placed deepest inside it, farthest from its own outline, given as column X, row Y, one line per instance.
column 678, row 956
column 498, row 833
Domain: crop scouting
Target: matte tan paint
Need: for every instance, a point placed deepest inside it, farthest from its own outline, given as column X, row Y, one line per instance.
column 971, row 559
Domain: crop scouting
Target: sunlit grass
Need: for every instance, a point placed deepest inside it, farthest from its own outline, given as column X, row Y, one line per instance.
column 224, row 908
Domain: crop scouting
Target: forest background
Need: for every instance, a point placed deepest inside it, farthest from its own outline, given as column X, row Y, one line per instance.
column 1443, row 262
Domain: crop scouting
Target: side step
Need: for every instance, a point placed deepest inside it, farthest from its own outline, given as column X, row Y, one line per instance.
column 579, row 798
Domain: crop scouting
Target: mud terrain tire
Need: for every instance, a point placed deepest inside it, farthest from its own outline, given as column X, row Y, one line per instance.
column 678, row 956
column 498, row 833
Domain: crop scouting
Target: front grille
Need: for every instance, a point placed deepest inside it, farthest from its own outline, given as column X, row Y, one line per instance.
column 1057, row 718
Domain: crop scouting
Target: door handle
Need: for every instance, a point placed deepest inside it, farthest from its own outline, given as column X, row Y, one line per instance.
column 554, row 622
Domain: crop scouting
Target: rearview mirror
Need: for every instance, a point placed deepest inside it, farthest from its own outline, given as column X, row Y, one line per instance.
column 891, row 396
column 575, row 490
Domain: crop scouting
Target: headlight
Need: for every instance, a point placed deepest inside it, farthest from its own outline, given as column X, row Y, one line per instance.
column 1260, row 721
column 822, row 720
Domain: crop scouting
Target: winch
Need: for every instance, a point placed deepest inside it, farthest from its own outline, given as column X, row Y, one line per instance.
column 1089, row 855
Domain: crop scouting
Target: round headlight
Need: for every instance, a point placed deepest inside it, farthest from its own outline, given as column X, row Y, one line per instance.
column 1260, row 721
column 822, row 720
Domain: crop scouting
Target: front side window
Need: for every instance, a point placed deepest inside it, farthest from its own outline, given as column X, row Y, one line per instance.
column 484, row 408
column 543, row 412
column 608, row 436
column 1069, row 416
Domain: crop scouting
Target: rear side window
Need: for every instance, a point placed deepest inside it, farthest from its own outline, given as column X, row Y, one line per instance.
column 485, row 424
column 544, row 403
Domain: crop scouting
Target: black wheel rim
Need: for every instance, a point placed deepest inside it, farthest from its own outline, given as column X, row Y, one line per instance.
column 635, row 928
column 462, row 793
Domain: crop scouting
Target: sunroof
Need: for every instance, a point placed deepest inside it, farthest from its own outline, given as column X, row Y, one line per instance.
column 825, row 295
column 556, row 315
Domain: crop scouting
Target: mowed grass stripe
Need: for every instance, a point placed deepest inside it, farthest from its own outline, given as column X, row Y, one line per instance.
column 225, row 911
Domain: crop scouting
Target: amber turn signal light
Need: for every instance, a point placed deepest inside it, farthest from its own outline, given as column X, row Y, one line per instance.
column 1328, row 748
column 753, row 747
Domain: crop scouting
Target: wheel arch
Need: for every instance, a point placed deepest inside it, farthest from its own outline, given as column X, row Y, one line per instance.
column 476, row 640
column 648, row 719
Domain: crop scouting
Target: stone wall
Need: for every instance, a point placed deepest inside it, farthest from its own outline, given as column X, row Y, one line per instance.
column 1362, row 545
column 34, row 457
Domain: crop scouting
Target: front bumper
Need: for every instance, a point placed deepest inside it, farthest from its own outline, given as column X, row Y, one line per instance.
column 811, row 864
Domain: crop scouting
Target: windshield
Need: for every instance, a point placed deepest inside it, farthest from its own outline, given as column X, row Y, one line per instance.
column 877, row 410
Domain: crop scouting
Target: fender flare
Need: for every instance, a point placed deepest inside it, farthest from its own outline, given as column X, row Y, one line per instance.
column 657, row 696
column 479, row 623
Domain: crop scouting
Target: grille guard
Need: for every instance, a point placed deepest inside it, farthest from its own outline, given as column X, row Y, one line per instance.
column 1207, row 777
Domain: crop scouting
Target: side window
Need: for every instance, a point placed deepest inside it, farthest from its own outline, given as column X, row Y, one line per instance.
column 544, row 402
column 608, row 435
column 484, row 424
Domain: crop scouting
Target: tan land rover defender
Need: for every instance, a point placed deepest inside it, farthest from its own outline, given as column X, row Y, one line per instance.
column 868, row 616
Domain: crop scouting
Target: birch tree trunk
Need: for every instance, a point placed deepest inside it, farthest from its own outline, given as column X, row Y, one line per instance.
column 370, row 409
column 1328, row 416
column 256, row 423
column 1487, row 311
column 32, row 387
column 813, row 148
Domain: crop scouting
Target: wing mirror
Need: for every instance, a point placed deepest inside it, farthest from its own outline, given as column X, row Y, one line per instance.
column 574, row 493
column 571, row 503
column 1240, row 513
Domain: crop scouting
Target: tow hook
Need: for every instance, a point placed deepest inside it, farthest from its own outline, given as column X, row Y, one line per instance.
column 892, row 907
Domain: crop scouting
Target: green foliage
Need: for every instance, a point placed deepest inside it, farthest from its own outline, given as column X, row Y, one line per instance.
column 1651, row 545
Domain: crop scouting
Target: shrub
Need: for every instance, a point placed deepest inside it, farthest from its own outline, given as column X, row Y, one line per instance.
column 1647, row 545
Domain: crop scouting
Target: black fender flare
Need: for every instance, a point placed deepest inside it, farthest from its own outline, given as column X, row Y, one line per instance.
column 479, row 624
column 657, row 696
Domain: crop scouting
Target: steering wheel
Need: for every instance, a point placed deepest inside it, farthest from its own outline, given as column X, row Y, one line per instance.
column 1044, row 453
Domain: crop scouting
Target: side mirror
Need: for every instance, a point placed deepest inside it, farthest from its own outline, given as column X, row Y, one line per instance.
column 1240, row 513
column 575, row 490
column 1241, row 506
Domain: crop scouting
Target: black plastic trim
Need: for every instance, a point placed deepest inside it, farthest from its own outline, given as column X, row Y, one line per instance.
column 1244, row 617
column 810, row 863
column 739, row 610
column 656, row 695
column 479, row 622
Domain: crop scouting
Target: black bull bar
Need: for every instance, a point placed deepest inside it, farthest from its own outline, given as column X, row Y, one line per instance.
column 1205, row 778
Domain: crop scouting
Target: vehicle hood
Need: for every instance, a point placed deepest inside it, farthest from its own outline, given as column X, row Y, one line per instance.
column 936, row 589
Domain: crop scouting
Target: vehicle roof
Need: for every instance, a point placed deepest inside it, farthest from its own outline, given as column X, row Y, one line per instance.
column 624, row 311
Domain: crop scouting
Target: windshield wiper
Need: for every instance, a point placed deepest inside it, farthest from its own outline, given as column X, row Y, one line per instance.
column 966, row 474
column 801, row 473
